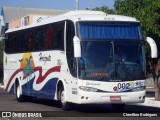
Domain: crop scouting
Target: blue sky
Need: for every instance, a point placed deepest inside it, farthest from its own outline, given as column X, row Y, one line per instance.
column 57, row 4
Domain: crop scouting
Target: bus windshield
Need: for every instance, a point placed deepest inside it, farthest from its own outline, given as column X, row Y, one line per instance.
column 105, row 57
column 109, row 31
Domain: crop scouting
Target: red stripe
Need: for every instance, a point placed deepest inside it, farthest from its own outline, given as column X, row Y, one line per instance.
column 13, row 75
column 42, row 78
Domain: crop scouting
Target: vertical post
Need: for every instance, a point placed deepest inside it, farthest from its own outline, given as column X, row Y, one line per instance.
column 77, row 4
column 93, row 4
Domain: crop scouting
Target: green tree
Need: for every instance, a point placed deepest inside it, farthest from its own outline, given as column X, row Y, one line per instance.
column 105, row 9
column 147, row 12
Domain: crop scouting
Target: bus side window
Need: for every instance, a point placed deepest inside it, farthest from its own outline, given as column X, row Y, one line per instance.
column 14, row 44
column 30, row 37
column 61, row 44
column 59, row 36
column 41, row 39
column 49, row 37
column 20, row 40
column 36, row 40
column 11, row 45
column 55, row 39
column 17, row 43
column 44, row 39
column 25, row 42
column 10, row 42
column 70, row 33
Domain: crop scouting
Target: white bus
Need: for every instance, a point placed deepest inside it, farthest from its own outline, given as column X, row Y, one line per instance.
column 81, row 57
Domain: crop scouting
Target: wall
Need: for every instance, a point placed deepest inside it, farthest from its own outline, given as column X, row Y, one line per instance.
column 32, row 19
column 14, row 24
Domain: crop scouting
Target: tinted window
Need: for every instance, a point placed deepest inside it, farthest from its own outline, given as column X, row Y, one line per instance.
column 107, row 30
column 70, row 33
column 45, row 37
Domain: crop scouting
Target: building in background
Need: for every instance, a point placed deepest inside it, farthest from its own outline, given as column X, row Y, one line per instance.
column 2, row 26
column 14, row 24
column 33, row 18
column 18, row 16
column 27, row 20
column 12, row 17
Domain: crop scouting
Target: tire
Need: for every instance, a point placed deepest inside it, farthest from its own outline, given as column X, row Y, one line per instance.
column 20, row 98
column 64, row 103
column 118, row 107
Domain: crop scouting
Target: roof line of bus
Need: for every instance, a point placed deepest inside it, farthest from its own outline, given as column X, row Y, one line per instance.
column 76, row 16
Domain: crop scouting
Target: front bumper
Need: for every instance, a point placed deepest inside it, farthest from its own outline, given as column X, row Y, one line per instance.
column 105, row 98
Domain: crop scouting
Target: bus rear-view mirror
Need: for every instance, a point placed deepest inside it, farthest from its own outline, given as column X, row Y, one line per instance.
column 77, row 47
column 153, row 46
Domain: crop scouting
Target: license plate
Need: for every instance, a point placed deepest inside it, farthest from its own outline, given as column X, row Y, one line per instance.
column 115, row 98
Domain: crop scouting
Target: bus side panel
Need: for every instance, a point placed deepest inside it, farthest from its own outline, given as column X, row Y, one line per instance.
column 39, row 73
column 47, row 91
column 12, row 71
column 46, row 68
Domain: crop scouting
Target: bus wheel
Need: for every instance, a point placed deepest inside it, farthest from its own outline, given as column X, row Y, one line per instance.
column 118, row 107
column 64, row 103
column 19, row 97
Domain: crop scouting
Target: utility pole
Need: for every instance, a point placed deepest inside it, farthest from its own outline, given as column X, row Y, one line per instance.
column 77, row 4
column 93, row 4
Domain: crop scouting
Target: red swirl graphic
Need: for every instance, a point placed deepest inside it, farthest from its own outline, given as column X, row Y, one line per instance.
column 40, row 78
column 11, row 78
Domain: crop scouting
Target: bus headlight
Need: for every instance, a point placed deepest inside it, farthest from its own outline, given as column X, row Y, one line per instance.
column 139, row 89
column 88, row 89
